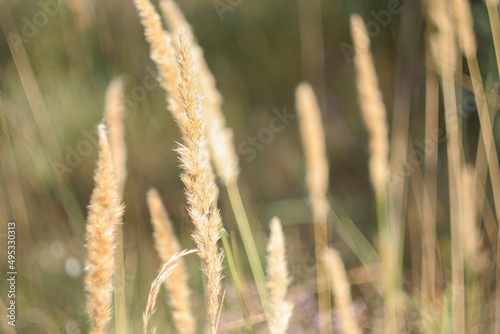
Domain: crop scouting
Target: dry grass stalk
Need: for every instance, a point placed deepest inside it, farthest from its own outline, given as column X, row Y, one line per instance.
column 488, row 139
column 430, row 280
column 464, row 22
column 278, row 280
column 166, row 271
column 113, row 114
column 443, row 47
column 313, row 139
column 470, row 227
column 494, row 17
column 341, row 292
column 220, row 138
column 370, row 98
column 201, row 190
column 476, row 259
column 161, row 50
column 167, row 245
column 105, row 213
column 436, row 59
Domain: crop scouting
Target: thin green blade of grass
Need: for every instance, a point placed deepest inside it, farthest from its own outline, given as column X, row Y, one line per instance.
column 248, row 242
column 236, row 280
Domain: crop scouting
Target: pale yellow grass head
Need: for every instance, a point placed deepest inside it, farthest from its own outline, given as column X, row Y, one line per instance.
column 199, row 180
column 278, row 280
column 105, row 212
column 373, row 109
column 114, row 113
column 313, row 139
column 162, row 51
column 341, row 292
column 220, row 138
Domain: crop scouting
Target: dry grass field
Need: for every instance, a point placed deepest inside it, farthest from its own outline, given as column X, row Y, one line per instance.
column 236, row 166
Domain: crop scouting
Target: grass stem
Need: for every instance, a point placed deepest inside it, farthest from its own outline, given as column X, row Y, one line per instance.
column 248, row 242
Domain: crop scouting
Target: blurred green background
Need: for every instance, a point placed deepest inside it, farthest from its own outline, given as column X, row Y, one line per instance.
column 56, row 60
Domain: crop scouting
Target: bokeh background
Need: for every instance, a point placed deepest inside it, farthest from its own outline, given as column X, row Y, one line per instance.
column 56, row 60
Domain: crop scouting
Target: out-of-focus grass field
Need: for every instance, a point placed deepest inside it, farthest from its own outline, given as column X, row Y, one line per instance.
column 52, row 88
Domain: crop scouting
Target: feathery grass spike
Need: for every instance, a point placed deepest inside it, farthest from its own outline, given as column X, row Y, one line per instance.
column 105, row 212
column 167, row 245
column 278, row 280
column 199, row 181
column 220, row 137
column 161, row 50
column 313, row 138
column 341, row 292
column 113, row 113
column 373, row 109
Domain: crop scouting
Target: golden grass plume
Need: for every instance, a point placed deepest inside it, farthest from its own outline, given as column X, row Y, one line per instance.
column 200, row 188
column 162, row 51
column 220, row 137
column 373, row 109
column 114, row 113
column 341, row 292
column 278, row 280
column 105, row 212
column 313, row 139
column 167, row 245
column 281, row 318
